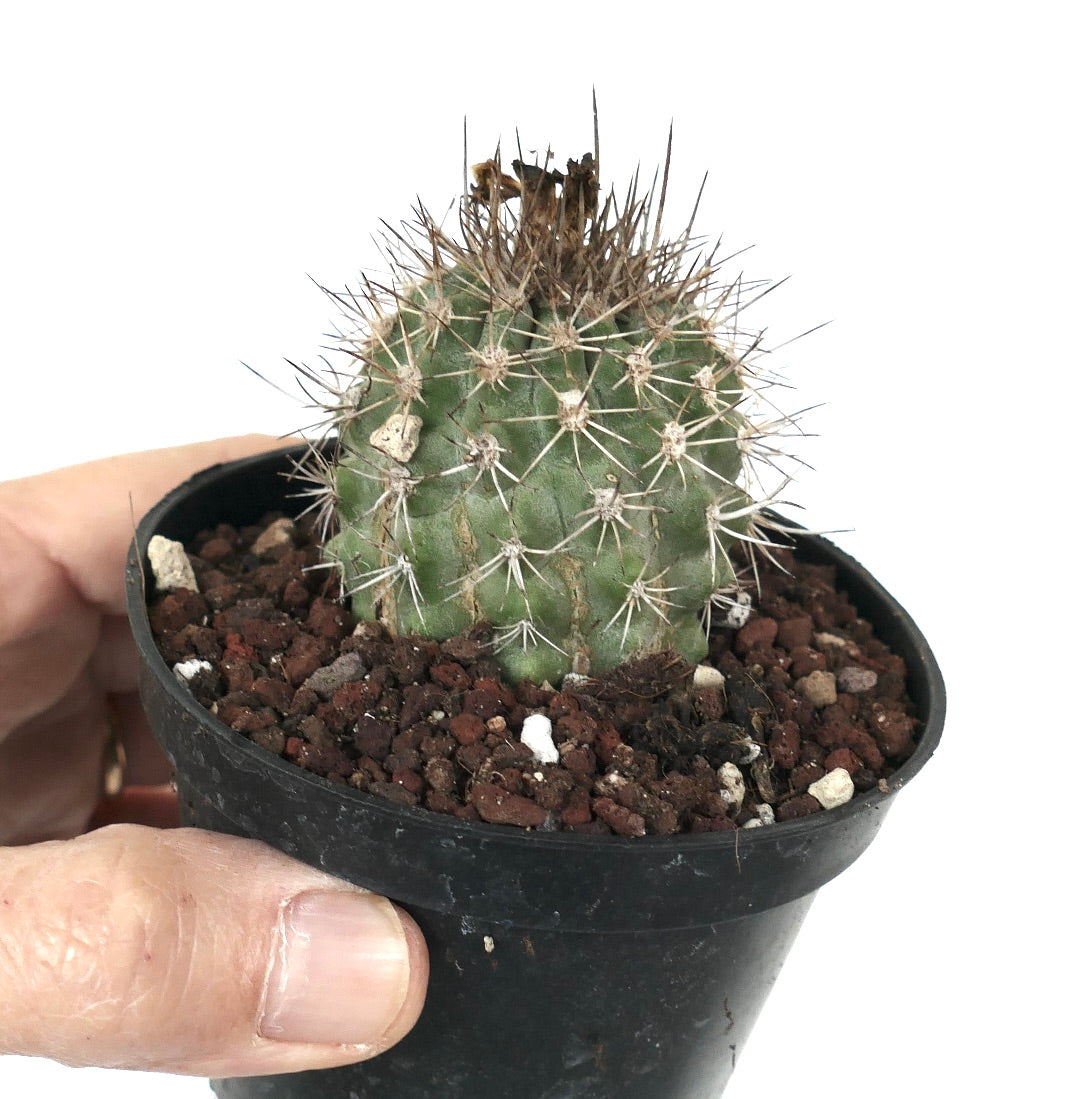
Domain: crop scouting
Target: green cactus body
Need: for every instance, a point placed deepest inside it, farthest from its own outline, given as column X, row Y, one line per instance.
column 545, row 433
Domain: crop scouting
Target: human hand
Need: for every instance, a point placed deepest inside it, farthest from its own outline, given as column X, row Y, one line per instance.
column 139, row 944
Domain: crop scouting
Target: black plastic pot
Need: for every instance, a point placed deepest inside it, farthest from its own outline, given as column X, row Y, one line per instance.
column 563, row 966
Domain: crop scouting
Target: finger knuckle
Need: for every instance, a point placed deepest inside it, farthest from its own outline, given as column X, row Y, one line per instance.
column 103, row 940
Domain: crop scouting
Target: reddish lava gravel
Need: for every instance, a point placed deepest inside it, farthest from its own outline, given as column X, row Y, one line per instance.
column 808, row 709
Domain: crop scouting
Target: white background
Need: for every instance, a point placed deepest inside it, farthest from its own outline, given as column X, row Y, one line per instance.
column 171, row 176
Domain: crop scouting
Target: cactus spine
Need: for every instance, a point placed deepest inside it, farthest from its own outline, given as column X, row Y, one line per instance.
column 547, row 429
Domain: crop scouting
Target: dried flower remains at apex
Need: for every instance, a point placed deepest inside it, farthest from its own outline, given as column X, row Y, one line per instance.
column 553, row 426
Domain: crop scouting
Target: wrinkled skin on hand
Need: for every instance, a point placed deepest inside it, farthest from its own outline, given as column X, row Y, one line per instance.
column 66, row 655
column 151, row 947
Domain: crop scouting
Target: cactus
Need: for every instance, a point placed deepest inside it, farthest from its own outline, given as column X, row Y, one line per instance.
column 547, row 429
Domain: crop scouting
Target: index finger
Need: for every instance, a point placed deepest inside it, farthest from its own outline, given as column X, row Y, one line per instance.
column 83, row 517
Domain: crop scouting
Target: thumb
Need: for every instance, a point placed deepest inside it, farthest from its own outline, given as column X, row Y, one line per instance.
column 191, row 952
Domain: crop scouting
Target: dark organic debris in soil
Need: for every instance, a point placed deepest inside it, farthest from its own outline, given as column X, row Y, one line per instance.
column 802, row 706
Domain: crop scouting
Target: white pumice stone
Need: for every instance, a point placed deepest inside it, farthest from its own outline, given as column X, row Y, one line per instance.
column 739, row 612
column 187, row 669
column 765, row 815
column 852, row 680
column 398, row 436
column 734, row 785
column 753, row 750
column 833, row 643
column 573, row 680
column 537, row 734
column 819, row 688
column 834, row 789
column 279, row 533
column 708, row 678
column 170, row 565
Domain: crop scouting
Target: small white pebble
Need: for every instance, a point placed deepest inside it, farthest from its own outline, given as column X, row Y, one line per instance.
column 834, row 789
column 170, row 565
column 488, row 944
column 187, row 669
column 707, row 678
column 572, row 680
column 765, row 815
column 398, row 436
column 733, row 785
column 437, row 717
column 853, row 680
column 537, row 734
column 738, row 613
column 279, row 533
column 831, row 642
column 819, row 688
column 753, row 750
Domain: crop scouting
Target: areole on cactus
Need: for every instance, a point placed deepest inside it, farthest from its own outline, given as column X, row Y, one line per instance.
column 550, row 429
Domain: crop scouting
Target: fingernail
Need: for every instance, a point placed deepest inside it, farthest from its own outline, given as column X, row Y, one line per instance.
column 339, row 973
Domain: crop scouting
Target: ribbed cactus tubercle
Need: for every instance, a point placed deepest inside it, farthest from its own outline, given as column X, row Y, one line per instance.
column 548, row 429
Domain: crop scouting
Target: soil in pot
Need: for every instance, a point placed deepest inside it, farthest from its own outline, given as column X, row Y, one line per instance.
column 803, row 709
